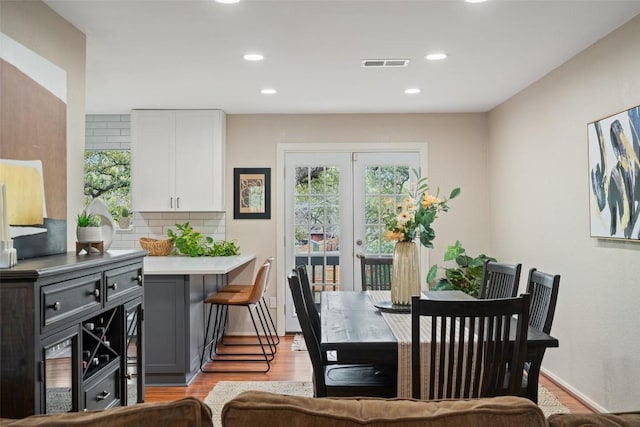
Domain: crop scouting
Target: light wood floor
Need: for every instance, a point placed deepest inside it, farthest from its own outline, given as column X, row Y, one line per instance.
column 294, row 366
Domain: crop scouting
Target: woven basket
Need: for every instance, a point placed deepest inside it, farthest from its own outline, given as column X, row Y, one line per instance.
column 156, row 247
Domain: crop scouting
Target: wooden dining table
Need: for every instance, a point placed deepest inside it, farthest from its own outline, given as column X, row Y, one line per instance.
column 353, row 327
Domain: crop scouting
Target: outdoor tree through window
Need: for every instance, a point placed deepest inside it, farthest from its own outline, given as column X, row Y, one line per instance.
column 107, row 175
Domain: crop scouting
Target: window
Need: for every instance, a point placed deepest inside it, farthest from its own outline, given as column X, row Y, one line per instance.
column 107, row 175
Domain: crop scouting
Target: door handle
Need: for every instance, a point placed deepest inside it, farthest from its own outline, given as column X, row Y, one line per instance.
column 103, row 395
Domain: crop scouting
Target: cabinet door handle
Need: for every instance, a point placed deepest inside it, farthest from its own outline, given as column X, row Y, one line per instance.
column 96, row 293
column 103, row 395
column 114, row 286
column 171, row 202
column 139, row 278
column 56, row 306
column 178, row 202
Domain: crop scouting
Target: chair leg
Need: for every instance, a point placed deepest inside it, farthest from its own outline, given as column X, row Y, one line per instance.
column 269, row 339
column 274, row 332
column 267, row 358
column 268, row 333
column 532, row 381
column 206, row 343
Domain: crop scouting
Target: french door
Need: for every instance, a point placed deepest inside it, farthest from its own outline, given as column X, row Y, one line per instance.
column 334, row 206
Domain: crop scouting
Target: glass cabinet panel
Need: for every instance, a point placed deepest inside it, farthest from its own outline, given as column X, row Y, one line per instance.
column 59, row 372
column 133, row 370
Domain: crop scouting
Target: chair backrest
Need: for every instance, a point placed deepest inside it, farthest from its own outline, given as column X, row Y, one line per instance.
column 466, row 348
column 499, row 280
column 260, row 282
column 267, row 284
column 311, row 340
column 309, row 301
column 375, row 271
column 543, row 288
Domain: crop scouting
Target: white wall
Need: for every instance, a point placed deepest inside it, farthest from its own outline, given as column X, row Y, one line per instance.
column 539, row 183
column 36, row 26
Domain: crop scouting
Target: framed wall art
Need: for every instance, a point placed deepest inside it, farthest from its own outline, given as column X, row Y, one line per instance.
column 33, row 152
column 614, row 175
column 251, row 193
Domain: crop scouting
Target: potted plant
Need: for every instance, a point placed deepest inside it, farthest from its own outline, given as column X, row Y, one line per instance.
column 193, row 243
column 465, row 277
column 88, row 228
column 124, row 219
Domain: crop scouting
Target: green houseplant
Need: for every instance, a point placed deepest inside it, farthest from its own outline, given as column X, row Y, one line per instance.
column 124, row 219
column 88, row 228
column 465, row 276
column 193, row 243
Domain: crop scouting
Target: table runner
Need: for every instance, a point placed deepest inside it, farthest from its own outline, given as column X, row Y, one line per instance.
column 400, row 325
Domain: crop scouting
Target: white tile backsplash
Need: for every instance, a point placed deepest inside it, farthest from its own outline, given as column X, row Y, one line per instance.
column 112, row 132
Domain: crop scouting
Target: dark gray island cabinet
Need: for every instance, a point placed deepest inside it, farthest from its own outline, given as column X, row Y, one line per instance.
column 71, row 330
column 175, row 289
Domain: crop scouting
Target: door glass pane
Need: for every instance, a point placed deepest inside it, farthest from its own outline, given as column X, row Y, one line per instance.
column 317, row 225
column 384, row 185
column 58, row 359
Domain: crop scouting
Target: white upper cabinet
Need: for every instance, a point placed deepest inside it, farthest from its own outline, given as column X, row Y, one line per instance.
column 177, row 160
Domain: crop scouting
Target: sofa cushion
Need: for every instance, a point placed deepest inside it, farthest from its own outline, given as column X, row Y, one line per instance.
column 262, row 409
column 627, row 419
column 187, row 412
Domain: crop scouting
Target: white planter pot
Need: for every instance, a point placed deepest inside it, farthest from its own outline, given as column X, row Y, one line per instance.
column 124, row 223
column 89, row 234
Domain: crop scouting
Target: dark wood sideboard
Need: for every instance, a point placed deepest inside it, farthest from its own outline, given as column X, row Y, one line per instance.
column 71, row 333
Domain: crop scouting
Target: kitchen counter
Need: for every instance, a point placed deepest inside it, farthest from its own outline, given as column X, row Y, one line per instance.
column 156, row 265
column 175, row 313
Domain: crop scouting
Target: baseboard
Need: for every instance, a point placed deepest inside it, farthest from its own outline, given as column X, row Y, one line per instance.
column 576, row 394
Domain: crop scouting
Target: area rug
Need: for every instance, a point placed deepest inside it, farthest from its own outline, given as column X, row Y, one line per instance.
column 227, row 390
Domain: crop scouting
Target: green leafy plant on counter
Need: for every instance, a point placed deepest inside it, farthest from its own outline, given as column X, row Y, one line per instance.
column 193, row 243
column 465, row 277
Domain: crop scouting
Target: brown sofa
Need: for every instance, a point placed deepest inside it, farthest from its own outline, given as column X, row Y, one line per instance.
column 187, row 412
column 261, row 409
column 257, row 409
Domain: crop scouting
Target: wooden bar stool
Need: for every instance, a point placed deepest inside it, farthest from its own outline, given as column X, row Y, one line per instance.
column 249, row 299
column 264, row 307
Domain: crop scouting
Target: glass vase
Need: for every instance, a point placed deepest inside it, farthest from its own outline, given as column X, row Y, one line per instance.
column 405, row 274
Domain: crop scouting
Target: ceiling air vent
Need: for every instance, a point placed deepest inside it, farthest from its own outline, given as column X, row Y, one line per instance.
column 378, row 63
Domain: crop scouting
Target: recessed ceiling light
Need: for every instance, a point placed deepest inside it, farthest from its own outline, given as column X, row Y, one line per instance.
column 436, row 56
column 253, row 57
column 227, row 1
column 475, row 1
column 268, row 91
column 412, row 91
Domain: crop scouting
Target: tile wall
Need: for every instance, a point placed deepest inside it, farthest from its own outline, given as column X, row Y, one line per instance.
column 112, row 132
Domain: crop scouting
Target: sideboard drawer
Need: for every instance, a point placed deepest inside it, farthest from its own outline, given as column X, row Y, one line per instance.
column 64, row 300
column 105, row 393
column 123, row 281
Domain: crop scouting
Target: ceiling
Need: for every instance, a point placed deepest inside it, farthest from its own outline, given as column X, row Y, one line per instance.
column 189, row 53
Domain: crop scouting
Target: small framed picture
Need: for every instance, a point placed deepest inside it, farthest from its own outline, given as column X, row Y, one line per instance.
column 251, row 193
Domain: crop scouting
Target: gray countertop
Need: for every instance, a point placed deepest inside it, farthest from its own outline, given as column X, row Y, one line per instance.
column 194, row 265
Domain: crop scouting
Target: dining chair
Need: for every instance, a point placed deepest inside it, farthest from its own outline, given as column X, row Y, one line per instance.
column 543, row 288
column 224, row 300
column 465, row 351
column 499, row 280
column 307, row 296
column 375, row 271
column 334, row 379
column 262, row 304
